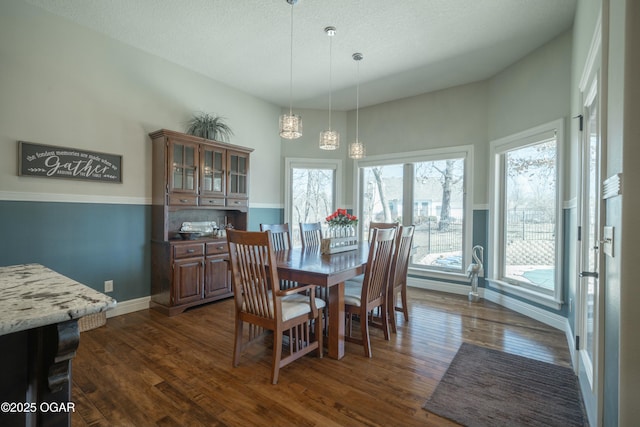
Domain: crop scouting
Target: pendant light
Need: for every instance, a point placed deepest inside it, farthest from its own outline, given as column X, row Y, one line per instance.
column 356, row 148
column 329, row 139
column 291, row 124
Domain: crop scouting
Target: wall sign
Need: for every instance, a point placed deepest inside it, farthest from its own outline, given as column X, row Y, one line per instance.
column 61, row 162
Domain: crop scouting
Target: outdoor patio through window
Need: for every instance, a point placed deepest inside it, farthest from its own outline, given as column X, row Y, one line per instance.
column 530, row 214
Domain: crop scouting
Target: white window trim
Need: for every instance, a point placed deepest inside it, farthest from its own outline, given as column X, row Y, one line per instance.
column 464, row 151
column 497, row 148
column 293, row 162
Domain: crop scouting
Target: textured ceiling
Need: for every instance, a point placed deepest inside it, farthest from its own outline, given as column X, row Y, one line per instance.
column 410, row 46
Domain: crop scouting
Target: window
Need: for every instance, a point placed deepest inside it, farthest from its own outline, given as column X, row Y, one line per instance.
column 312, row 192
column 427, row 189
column 525, row 222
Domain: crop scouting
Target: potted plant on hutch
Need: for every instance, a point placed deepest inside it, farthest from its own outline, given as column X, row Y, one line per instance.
column 209, row 126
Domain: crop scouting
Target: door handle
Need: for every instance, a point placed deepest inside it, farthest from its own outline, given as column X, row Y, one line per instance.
column 593, row 274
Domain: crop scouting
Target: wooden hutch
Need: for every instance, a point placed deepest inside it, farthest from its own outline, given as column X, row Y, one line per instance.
column 194, row 179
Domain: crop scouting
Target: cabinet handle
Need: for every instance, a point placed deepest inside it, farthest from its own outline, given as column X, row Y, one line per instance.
column 190, row 251
column 183, row 200
column 220, row 248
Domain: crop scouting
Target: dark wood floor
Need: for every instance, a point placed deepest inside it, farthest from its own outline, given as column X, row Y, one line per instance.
column 146, row 369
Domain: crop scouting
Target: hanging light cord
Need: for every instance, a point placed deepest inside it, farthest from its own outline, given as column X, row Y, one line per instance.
column 291, row 66
column 330, row 82
column 357, row 100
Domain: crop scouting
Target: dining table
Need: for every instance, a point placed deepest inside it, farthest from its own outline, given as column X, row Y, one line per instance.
column 308, row 265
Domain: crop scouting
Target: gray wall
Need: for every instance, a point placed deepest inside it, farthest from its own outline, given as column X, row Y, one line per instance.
column 64, row 85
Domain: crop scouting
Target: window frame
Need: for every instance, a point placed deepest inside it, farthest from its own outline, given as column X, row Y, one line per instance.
column 306, row 163
column 498, row 149
column 463, row 151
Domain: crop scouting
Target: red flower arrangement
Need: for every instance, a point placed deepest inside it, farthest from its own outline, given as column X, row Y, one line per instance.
column 341, row 218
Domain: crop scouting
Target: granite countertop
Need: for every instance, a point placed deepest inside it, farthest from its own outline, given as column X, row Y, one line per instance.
column 32, row 295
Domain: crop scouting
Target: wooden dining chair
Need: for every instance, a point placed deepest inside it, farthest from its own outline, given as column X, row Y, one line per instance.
column 285, row 312
column 311, row 234
column 362, row 298
column 281, row 235
column 398, row 274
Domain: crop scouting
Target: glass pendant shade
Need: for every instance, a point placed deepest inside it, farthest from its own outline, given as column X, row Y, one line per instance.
column 329, row 140
column 356, row 150
column 290, row 126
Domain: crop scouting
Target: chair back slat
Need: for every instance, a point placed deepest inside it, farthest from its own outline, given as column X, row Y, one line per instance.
column 280, row 234
column 311, row 234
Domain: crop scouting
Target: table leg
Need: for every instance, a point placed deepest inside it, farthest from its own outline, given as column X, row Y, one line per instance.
column 336, row 321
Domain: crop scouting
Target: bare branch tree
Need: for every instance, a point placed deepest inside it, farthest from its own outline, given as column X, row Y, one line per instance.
column 448, row 179
column 377, row 174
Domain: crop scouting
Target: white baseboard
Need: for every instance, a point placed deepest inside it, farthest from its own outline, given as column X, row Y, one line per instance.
column 548, row 318
column 539, row 314
column 435, row 285
column 571, row 342
column 129, row 306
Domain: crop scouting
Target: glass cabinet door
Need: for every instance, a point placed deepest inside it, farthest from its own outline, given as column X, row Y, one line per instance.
column 213, row 171
column 238, row 165
column 183, row 167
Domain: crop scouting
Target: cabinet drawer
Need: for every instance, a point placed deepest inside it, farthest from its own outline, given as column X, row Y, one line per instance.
column 238, row 203
column 190, row 250
column 217, row 248
column 211, row 201
column 183, row 199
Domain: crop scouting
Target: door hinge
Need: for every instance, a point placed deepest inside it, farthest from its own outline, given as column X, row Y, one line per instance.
column 577, row 342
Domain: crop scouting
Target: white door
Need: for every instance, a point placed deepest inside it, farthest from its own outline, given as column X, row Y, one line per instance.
column 590, row 254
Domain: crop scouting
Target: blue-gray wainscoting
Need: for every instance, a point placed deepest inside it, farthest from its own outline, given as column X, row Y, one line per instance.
column 90, row 242
column 87, row 242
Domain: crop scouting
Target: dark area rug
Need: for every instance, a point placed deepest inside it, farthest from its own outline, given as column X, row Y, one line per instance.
column 485, row 387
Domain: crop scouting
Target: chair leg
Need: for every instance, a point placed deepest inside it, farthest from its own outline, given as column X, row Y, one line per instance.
column 364, row 328
column 384, row 310
column 405, row 308
column 319, row 332
column 277, row 355
column 392, row 311
column 237, row 347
